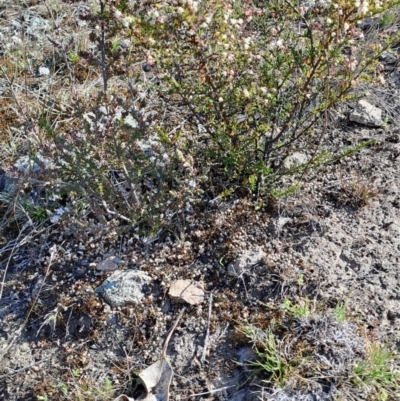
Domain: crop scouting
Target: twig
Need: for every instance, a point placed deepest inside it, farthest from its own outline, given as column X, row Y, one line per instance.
column 203, row 356
column 212, row 391
column 24, row 368
column 102, row 47
column 166, row 342
column 114, row 213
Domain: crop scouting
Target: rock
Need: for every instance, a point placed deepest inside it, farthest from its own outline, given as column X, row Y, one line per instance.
column 367, row 114
column 389, row 57
column 185, row 291
column 244, row 262
column 295, row 160
column 110, row 264
column 124, row 288
column 146, row 67
column 43, row 71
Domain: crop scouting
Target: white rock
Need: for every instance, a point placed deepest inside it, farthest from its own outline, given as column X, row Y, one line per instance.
column 185, row 291
column 294, row 160
column 367, row 114
column 43, row 71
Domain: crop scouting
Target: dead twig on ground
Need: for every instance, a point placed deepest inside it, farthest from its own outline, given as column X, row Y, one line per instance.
column 203, row 356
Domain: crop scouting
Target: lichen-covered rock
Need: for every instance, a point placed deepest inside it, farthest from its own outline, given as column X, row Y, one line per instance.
column 124, row 288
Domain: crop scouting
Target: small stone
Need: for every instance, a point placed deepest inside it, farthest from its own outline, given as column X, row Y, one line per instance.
column 43, row 71
column 110, row 264
column 146, row 67
column 389, row 57
column 367, row 114
column 185, row 291
column 124, row 288
column 295, row 160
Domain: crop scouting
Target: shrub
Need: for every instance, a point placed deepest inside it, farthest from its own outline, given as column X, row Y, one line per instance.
column 238, row 96
column 256, row 78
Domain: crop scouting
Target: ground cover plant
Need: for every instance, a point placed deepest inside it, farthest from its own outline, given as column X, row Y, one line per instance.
column 308, row 348
column 138, row 114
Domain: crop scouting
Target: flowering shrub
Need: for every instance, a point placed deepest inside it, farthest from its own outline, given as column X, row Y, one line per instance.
column 124, row 172
column 238, row 92
column 256, row 77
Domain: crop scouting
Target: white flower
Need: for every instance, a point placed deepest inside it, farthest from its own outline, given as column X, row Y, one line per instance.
column 126, row 22
column 118, row 113
column 277, row 44
column 130, row 121
column 60, row 211
column 365, row 7
column 55, row 218
column 195, row 6
column 192, row 184
column 103, row 110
